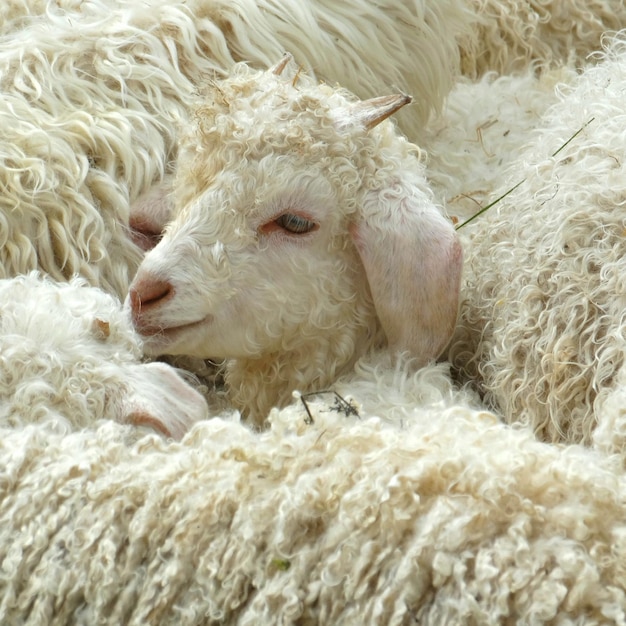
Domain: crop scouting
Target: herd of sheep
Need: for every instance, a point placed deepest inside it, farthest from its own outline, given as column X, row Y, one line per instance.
column 326, row 337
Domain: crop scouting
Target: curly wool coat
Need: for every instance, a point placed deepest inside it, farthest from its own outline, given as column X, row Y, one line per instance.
column 420, row 509
column 93, row 92
column 542, row 317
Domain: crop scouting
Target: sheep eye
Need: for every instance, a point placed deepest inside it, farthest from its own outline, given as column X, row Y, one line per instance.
column 295, row 224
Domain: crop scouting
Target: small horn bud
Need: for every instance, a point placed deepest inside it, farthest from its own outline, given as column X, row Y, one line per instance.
column 282, row 64
column 370, row 113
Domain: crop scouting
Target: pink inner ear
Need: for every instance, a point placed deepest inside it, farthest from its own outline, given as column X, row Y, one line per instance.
column 413, row 261
column 156, row 396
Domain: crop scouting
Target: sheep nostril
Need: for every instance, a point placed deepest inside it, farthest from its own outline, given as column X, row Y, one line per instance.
column 147, row 294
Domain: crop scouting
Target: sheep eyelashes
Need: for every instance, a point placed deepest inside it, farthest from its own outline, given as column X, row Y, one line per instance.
column 303, row 236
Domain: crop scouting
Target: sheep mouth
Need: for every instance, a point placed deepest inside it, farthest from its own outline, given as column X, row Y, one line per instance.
column 168, row 334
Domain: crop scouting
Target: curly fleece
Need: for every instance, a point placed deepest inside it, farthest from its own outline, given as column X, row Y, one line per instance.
column 92, row 93
column 443, row 515
column 69, row 356
column 542, row 322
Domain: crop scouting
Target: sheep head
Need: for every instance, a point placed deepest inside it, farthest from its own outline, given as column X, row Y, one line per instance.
column 303, row 235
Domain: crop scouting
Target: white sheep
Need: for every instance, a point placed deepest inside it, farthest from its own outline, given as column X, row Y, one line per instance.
column 69, row 356
column 541, row 328
column 305, row 236
column 444, row 516
column 89, row 122
column 93, row 92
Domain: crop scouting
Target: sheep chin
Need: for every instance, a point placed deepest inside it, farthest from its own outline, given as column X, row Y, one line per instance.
column 158, row 340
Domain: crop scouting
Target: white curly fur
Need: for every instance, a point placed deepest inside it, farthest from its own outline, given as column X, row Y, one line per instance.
column 509, row 35
column 443, row 515
column 483, row 126
column 419, row 510
column 92, row 93
column 542, row 319
column 90, row 121
column 68, row 355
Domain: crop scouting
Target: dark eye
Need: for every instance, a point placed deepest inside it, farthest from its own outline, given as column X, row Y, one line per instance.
column 295, row 224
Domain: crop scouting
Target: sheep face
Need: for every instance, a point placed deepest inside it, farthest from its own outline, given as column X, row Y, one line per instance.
column 294, row 219
column 250, row 270
column 259, row 255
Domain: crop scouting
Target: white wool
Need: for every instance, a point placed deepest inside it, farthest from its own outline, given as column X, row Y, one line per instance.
column 609, row 435
column 442, row 515
column 93, row 91
column 508, row 35
column 93, row 94
column 419, row 509
column 410, row 45
column 542, row 321
column 69, row 356
column 482, row 128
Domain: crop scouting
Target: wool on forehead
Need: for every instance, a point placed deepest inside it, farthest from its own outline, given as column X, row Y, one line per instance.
column 252, row 115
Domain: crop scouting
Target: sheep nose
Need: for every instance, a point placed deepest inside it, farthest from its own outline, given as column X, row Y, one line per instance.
column 145, row 295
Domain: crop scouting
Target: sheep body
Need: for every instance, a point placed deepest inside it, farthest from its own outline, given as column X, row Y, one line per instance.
column 542, row 320
column 69, row 356
column 437, row 513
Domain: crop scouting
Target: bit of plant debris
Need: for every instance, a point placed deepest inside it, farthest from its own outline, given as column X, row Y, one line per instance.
column 504, row 195
column 340, row 405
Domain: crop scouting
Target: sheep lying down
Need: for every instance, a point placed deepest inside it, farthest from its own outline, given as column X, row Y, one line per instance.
column 302, row 224
column 304, row 236
column 541, row 329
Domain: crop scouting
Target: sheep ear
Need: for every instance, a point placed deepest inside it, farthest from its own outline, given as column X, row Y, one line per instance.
column 159, row 398
column 413, row 261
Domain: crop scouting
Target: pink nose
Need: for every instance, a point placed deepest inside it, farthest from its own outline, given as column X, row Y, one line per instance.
column 146, row 294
